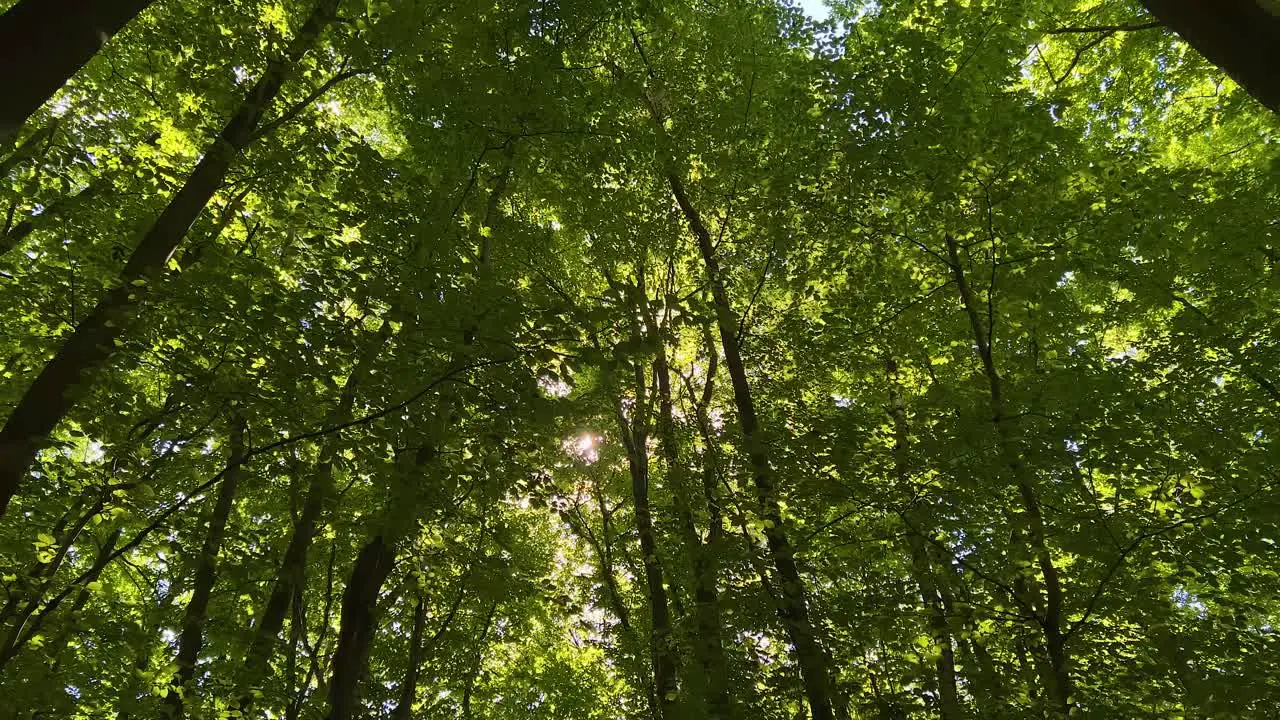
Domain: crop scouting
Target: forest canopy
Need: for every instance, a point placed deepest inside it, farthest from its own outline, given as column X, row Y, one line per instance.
column 639, row 359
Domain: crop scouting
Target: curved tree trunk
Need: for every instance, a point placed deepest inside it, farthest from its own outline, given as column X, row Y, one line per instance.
column 206, row 574
column 44, row 42
column 1240, row 36
column 83, row 354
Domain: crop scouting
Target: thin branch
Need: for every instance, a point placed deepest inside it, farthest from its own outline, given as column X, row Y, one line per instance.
column 1075, row 60
column 1147, row 535
column 365, row 419
column 1128, row 27
column 311, row 97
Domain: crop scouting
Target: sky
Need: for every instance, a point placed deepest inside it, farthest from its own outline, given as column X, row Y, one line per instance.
column 816, row 9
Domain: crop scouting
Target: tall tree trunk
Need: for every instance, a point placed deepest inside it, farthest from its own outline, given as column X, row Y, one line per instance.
column 793, row 604
column 409, row 686
column 604, row 561
column 635, row 437
column 377, row 559
column 1056, row 673
column 289, row 579
column 358, row 624
column 1240, row 36
column 192, row 638
column 44, row 42
column 317, row 652
column 78, row 361
column 922, row 568
column 708, row 646
column 634, row 431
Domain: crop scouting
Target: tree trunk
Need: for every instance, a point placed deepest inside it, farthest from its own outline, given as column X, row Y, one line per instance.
column 793, row 604
column 317, row 652
column 1240, row 36
column 358, row 624
column 1056, row 675
column 604, row 561
column 635, row 437
column 409, row 686
column 78, row 361
column 949, row 707
column 44, row 42
column 638, row 661
column 707, row 645
column 289, row 579
column 192, row 638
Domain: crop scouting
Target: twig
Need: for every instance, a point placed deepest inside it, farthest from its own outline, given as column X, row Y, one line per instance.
column 1130, row 27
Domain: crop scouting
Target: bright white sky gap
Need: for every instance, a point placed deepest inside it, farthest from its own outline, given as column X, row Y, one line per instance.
column 816, row 9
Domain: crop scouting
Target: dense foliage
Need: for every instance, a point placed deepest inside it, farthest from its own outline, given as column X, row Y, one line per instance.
column 647, row 359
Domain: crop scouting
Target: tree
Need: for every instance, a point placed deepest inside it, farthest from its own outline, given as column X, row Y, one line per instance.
column 46, row 42
column 1239, row 37
column 646, row 360
column 92, row 342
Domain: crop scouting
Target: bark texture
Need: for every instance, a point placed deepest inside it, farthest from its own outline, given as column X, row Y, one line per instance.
column 358, row 625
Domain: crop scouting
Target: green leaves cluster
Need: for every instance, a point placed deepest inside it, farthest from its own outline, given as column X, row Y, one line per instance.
column 438, row 288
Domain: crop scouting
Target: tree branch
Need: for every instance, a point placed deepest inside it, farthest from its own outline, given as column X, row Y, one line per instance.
column 1129, row 27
